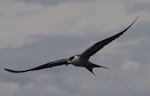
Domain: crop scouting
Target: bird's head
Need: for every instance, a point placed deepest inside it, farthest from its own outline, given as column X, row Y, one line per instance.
column 70, row 59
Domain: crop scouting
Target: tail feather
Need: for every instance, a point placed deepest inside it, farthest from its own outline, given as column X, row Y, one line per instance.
column 91, row 70
column 94, row 65
column 91, row 66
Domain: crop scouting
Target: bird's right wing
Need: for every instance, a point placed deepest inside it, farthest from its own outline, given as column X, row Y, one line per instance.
column 47, row 65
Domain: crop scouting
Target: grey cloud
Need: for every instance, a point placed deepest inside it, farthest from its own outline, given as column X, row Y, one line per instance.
column 75, row 81
column 141, row 33
column 136, row 6
column 51, row 2
column 72, row 81
column 42, row 51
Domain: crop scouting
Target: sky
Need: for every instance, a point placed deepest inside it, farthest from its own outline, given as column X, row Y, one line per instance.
column 34, row 32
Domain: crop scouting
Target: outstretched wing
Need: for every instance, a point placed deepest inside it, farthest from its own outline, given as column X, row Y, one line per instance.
column 99, row 45
column 47, row 65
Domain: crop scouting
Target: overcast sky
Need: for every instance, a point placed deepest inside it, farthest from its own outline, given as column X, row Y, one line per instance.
column 34, row 32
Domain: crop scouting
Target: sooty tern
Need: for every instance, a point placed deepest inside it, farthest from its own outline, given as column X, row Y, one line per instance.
column 81, row 60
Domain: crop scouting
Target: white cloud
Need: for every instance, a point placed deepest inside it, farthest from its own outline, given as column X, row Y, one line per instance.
column 8, row 88
column 20, row 21
column 130, row 66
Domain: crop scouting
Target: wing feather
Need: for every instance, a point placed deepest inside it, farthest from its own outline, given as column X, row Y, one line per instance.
column 47, row 65
column 99, row 45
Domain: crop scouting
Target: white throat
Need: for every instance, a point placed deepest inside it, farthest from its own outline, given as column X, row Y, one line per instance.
column 74, row 59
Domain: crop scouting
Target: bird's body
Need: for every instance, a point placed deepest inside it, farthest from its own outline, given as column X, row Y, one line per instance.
column 81, row 60
column 77, row 61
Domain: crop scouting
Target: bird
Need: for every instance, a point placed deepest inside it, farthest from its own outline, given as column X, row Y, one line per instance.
column 80, row 60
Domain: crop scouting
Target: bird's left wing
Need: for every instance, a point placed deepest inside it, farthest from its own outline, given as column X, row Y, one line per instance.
column 47, row 65
column 99, row 45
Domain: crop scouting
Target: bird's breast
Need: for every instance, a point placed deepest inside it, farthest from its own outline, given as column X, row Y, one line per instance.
column 77, row 61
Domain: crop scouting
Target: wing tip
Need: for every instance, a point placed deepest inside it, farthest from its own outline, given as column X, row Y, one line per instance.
column 135, row 20
column 14, row 71
column 130, row 25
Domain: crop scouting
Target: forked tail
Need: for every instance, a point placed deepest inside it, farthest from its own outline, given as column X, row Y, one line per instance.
column 90, row 67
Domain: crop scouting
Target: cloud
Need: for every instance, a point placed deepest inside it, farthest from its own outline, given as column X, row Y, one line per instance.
column 20, row 22
column 51, row 2
column 137, row 6
column 34, row 33
column 10, row 86
column 130, row 66
column 71, row 80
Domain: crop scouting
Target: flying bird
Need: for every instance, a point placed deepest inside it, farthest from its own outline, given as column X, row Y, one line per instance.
column 80, row 60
